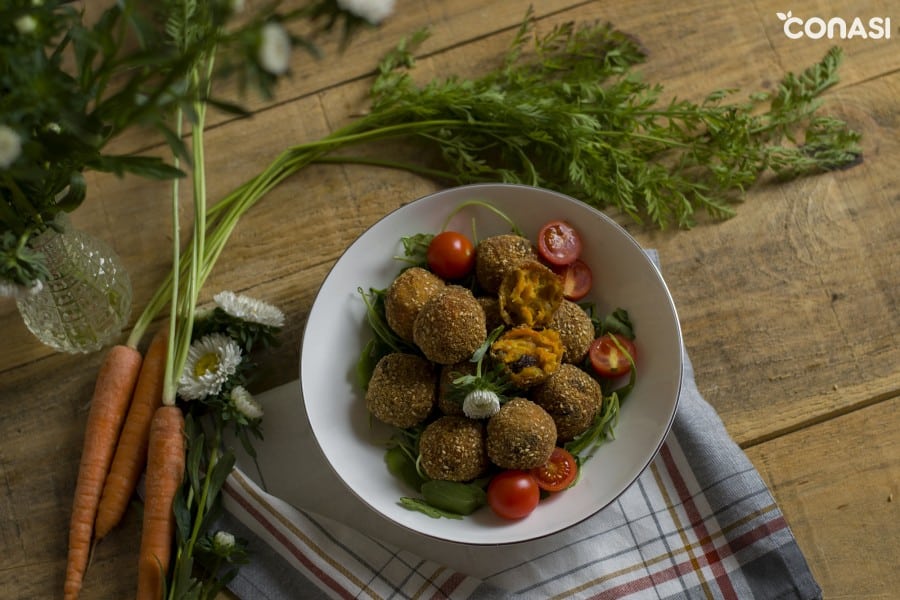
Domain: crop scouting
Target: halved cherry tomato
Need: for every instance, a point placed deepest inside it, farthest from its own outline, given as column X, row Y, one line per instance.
column 577, row 279
column 513, row 494
column 559, row 472
column 606, row 357
column 450, row 255
column 559, row 243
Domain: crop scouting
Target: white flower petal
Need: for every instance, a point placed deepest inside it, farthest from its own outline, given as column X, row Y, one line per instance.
column 10, row 146
column 14, row 290
column 274, row 49
column 223, row 540
column 373, row 11
column 26, row 24
column 210, row 362
column 481, row 404
column 249, row 309
column 245, row 403
column 9, row 289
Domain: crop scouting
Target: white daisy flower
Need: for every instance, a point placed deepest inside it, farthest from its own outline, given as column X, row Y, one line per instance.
column 210, row 362
column 223, row 541
column 249, row 309
column 26, row 24
column 481, row 404
column 373, row 11
column 10, row 146
column 245, row 403
column 9, row 289
column 274, row 51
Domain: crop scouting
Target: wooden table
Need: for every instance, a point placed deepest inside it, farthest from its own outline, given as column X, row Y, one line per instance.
column 790, row 310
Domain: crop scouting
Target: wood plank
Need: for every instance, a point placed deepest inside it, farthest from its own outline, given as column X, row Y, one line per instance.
column 806, row 316
column 838, row 485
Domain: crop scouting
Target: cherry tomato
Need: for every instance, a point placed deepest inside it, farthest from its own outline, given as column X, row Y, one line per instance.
column 450, row 255
column 559, row 472
column 559, row 243
column 577, row 279
column 513, row 494
column 606, row 358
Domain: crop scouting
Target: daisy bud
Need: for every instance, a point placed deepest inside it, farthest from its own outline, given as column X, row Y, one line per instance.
column 223, row 542
column 481, row 404
column 245, row 403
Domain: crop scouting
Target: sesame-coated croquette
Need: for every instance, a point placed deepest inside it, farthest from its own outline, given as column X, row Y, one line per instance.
column 401, row 390
column 572, row 398
column 445, row 403
column 406, row 296
column 576, row 331
column 521, row 436
column 491, row 306
column 496, row 255
column 452, row 448
column 450, row 326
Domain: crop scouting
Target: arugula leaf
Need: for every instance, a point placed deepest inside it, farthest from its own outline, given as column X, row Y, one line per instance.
column 423, row 507
column 454, row 497
column 415, row 248
column 618, row 322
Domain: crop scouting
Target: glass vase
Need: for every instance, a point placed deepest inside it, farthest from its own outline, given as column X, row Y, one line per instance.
column 86, row 300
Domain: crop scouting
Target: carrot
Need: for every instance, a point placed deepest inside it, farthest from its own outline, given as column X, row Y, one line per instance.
column 131, row 452
column 112, row 393
column 165, row 470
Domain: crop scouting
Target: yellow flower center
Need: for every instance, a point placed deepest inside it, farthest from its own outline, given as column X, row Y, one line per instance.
column 208, row 363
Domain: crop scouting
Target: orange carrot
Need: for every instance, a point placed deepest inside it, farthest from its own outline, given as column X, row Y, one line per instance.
column 165, row 470
column 112, row 393
column 131, row 452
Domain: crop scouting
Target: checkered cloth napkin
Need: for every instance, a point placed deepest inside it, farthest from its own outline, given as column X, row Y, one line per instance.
column 698, row 523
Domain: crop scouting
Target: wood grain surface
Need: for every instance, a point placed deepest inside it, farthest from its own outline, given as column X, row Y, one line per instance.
column 790, row 310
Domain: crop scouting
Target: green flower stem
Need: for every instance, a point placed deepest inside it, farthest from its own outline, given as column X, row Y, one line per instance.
column 172, row 291
column 185, row 551
column 183, row 305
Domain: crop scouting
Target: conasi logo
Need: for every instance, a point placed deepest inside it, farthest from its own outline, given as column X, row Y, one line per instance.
column 815, row 28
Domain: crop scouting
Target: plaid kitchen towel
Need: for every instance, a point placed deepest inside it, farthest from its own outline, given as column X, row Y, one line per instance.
column 698, row 523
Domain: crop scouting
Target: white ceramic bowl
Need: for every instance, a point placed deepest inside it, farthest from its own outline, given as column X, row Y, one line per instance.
column 336, row 331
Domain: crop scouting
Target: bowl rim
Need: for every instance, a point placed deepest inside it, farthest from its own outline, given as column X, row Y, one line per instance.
column 637, row 474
